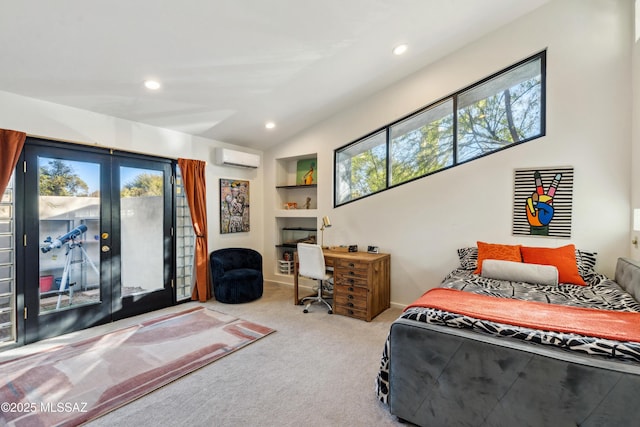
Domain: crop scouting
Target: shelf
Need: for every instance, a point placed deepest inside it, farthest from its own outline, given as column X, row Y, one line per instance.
column 290, row 187
column 299, row 224
column 299, row 229
column 297, row 213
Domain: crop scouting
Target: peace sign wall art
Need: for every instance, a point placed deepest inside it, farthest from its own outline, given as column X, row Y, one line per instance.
column 542, row 202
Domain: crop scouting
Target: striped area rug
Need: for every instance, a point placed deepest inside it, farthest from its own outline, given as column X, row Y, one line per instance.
column 75, row 383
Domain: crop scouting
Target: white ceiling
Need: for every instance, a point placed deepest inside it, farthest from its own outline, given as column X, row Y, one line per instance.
column 228, row 66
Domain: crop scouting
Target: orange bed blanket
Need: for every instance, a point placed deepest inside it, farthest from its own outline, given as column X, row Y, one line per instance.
column 614, row 325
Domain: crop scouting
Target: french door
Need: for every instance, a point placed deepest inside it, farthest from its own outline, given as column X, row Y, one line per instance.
column 97, row 237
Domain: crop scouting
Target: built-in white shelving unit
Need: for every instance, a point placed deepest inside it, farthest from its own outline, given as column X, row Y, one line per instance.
column 296, row 208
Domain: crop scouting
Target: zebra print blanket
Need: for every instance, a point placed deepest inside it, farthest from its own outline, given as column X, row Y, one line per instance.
column 601, row 293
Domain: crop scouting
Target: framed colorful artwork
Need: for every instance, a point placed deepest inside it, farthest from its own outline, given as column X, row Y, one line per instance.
column 234, row 206
column 542, row 202
column 307, row 172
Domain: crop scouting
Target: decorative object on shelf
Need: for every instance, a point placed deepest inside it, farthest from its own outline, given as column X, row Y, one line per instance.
column 353, row 248
column 542, row 202
column 326, row 223
column 310, row 238
column 234, row 206
column 291, row 236
column 285, row 267
column 307, row 204
column 372, row 249
column 287, row 255
column 306, row 172
column 291, row 205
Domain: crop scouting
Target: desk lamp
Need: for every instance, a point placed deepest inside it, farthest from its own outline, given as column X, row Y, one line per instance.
column 326, row 223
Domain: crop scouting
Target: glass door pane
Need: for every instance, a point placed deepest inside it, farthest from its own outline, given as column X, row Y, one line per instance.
column 141, row 230
column 69, row 233
column 99, row 227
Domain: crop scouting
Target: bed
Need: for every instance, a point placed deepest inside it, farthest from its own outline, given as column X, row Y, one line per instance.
column 443, row 368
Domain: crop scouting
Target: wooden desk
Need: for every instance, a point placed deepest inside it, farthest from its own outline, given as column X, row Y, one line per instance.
column 361, row 283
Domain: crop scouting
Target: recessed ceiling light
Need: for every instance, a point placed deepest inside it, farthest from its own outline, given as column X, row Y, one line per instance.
column 270, row 125
column 152, row 84
column 400, row 49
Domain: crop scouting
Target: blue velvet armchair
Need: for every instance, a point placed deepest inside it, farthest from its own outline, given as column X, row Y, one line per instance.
column 236, row 275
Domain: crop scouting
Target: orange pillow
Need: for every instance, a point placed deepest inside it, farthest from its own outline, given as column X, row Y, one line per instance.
column 496, row 251
column 564, row 258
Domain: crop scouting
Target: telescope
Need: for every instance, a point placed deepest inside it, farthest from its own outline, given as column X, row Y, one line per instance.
column 61, row 240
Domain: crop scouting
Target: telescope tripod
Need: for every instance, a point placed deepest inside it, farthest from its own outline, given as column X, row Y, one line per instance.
column 64, row 282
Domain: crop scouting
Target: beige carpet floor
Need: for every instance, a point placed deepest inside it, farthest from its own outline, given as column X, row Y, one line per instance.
column 315, row 370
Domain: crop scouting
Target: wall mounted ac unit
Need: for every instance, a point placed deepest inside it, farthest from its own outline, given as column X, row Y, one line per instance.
column 228, row 157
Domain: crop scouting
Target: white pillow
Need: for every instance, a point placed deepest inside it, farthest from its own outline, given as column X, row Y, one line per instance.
column 519, row 272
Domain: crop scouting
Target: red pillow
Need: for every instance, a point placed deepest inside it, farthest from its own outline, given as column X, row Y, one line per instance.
column 496, row 251
column 564, row 258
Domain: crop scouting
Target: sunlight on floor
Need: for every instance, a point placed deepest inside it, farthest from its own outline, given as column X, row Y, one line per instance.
column 87, row 333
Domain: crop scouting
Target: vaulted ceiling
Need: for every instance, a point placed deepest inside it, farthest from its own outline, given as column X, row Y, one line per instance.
column 226, row 67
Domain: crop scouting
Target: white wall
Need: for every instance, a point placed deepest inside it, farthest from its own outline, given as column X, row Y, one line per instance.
column 635, row 151
column 54, row 121
column 588, row 127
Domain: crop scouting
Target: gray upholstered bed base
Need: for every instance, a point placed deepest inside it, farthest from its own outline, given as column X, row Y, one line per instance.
column 440, row 376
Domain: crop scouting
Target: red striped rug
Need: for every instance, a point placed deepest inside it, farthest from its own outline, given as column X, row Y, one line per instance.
column 75, row 383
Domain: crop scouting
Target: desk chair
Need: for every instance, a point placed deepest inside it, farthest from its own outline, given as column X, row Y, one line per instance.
column 311, row 265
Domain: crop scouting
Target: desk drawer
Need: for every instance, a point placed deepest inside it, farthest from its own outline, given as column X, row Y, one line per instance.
column 350, row 281
column 358, row 267
column 355, row 291
column 351, row 312
column 350, row 296
column 351, row 273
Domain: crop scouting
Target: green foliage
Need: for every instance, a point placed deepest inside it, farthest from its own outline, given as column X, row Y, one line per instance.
column 422, row 151
column 59, row 179
column 145, row 184
column 368, row 172
column 499, row 120
column 485, row 125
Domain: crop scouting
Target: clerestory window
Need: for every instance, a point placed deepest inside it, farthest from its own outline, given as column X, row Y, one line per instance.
column 501, row 111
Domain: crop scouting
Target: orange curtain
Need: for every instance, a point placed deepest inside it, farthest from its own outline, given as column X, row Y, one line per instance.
column 193, row 176
column 11, row 143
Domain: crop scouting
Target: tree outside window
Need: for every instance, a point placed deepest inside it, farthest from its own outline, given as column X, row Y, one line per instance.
column 501, row 111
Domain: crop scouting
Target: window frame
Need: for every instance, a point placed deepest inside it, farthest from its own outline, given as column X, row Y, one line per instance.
column 453, row 98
